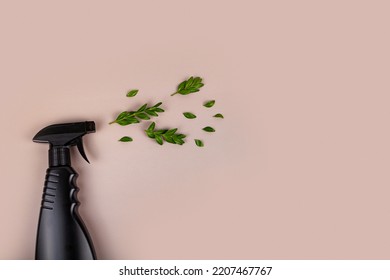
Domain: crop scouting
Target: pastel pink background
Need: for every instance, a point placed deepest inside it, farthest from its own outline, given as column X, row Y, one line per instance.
column 298, row 169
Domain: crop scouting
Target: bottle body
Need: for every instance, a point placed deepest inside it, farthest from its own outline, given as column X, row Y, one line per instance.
column 62, row 234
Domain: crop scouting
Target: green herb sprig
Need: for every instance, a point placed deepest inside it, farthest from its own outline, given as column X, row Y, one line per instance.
column 143, row 113
column 189, row 86
column 168, row 135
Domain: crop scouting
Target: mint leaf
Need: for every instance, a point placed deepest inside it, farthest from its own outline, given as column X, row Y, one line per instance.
column 218, row 116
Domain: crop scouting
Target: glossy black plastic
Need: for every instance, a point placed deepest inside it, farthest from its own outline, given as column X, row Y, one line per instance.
column 62, row 234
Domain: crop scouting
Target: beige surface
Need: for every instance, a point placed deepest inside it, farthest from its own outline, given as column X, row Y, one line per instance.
column 299, row 168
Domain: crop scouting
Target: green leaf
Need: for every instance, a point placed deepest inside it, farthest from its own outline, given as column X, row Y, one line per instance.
column 126, row 139
column 189, row 82
column 131, row 120
column 193, row 84
column 150, row 134
column 209, row 129
column 143, row 116
column 171, row 131
column 218, row 116
column 142, row 108
column 185, row 91
column 132, row 93
column 181, row 86
column 178, row 140
column 169, row 139
column 122, row 115
column 199, row 143
column 151, row 112
column 197, row 80
column 159, row 139
column 189, row 115
column 151, row 126
column 209, row 104
column 127, row 120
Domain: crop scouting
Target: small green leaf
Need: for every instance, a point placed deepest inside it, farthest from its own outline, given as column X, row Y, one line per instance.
column 142, row 108
column 122, row 115
column 126, row 139
column 209, row 104
column 218, row 116
column 143, row 116
column 199, row 143
column 168, row 138
column 151, row 126
column 197, row 80
column 185, row 91
column 181, row 86
column 177, row 140
column 171, row 131
column 189, row 115
column 189, row 82
column 151, row 112
column 132, row 93
column 128, row 120
column 131, row 120
column 159, row 139
column 209, row 129
column 150, row 134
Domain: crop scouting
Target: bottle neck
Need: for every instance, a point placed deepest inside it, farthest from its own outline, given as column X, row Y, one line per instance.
column 59, row 156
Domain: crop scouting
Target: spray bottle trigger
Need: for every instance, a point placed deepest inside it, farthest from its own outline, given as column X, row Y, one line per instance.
column 80, row 147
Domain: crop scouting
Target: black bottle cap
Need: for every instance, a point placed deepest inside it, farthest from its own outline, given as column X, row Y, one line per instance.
column 61, row 137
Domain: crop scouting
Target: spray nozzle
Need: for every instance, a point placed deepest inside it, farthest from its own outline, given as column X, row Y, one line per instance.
column 61, row 137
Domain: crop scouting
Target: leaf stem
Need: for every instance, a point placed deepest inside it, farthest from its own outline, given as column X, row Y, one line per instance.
column 174, row 93
column 112, row 122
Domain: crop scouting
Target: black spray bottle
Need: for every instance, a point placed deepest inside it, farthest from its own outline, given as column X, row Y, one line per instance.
column 62, row 234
